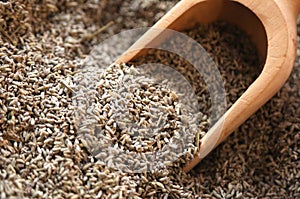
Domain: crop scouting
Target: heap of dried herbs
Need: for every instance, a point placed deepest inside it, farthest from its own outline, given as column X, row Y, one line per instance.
column 42, row 47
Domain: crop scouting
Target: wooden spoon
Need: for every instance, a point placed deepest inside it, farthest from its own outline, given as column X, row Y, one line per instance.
column 271, row 24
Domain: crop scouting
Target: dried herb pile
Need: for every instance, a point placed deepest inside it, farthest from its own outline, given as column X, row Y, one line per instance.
column 42, row 47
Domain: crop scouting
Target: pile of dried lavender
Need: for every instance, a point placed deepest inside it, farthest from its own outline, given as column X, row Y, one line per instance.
column 140, row 118
column 232, row 52
column 42, row 155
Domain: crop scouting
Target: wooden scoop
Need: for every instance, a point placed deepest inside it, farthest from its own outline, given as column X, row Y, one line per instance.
column 271, row 24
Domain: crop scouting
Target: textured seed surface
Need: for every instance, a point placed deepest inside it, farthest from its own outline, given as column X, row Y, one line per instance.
column 42, row 155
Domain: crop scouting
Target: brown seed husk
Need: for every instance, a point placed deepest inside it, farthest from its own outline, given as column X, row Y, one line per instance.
column 41, row 45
